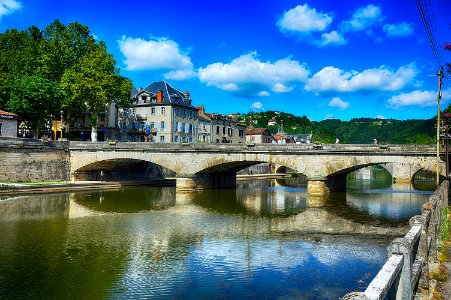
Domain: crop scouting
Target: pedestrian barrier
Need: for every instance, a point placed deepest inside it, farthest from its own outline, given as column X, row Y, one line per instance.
column 407, row 267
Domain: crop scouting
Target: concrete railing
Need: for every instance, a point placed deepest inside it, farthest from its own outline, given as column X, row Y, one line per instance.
column 407, row 267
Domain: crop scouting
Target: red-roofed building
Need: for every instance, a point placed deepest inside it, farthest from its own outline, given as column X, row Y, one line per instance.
column 8, row 124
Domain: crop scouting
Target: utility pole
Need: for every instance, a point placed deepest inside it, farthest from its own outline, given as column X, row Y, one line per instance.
column 439, row 77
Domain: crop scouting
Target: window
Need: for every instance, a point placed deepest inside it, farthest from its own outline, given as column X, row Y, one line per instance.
column 0, row 128
column 217, row 141
column 176, row 126
column 223, row 130
column 217, row 129
column 102, row 118
column 152, row 125
column 241, row 132
column 143, row 98
column 162, row 138
column 176, row 139
column 176, row 111
column 152, row 111
column 163, row 111
column 162, row 125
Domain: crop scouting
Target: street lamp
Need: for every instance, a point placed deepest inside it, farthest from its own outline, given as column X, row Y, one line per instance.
column 62, row 122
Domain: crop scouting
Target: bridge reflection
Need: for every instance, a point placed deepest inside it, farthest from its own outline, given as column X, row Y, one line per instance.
column 284, row 204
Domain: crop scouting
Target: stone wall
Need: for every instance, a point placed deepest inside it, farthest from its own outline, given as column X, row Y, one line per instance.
column 8, row 127
column 30, row 160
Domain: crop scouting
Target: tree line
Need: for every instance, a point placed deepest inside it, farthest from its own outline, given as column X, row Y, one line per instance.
column 58, row 68
column 354, row 131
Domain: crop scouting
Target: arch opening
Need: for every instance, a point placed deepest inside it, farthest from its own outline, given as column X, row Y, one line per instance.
column 122, row 170
column 229, row 167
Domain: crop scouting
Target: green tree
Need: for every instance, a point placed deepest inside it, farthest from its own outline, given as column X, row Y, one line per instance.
column 36, row 99
column 92, row 84
column 63, row 47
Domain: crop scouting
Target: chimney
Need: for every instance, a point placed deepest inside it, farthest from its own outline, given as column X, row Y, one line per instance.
column 187, row 94
column 159, row 96
column 200, row 110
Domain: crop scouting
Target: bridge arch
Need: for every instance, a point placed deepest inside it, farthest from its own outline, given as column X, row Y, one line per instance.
column 121, row 169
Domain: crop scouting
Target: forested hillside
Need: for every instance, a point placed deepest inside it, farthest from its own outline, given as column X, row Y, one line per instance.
column 354, row 131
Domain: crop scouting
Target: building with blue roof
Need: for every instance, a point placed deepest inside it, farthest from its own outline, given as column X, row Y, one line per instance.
column 159, row 113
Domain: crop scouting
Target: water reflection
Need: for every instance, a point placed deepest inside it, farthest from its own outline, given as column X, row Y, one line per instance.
column 372, row 197
column 40, row 206
column 127, row 200
column 266, row 239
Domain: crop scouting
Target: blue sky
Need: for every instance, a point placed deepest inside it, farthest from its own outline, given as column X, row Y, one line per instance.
column 323, row 59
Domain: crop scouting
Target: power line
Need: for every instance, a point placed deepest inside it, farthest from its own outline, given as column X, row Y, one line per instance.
column 427, row 17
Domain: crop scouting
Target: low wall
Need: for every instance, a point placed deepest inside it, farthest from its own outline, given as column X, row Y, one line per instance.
column 30, row 160
column 406, row 272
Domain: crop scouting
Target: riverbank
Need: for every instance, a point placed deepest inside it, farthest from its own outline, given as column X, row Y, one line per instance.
column 53, row 187
column 64, row 186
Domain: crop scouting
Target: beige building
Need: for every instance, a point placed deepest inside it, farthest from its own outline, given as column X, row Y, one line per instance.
column 203, row 125
column 259, row 136
column 227, row 130
column 8, row 124
column 160, row 113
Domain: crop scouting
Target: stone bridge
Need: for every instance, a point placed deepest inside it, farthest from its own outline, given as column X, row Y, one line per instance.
column 200, row 166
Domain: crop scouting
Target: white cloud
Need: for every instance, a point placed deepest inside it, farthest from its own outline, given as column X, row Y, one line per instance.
column 304, row 19
column 331, row 79
column 247, row 75
column 263, row 94
column 416, row 98
column 363, row 18
column 8, row 7
column 257, row 106
column 157, row 54
column 338, row 103
column 332, row 38
column 398, row 30
column 381, row 117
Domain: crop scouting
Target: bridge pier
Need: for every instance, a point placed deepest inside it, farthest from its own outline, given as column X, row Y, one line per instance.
column 186, row 182
column 325, row 185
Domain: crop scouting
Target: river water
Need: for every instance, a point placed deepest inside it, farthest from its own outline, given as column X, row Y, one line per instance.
column 264, row 240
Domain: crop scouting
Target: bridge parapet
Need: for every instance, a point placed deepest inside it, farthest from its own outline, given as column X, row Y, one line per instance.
column 189, row 147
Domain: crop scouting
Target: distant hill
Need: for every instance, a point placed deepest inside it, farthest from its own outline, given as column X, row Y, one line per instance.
column 354, row 131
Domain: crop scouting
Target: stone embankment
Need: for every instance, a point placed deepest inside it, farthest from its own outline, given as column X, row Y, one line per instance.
column 29, row 160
